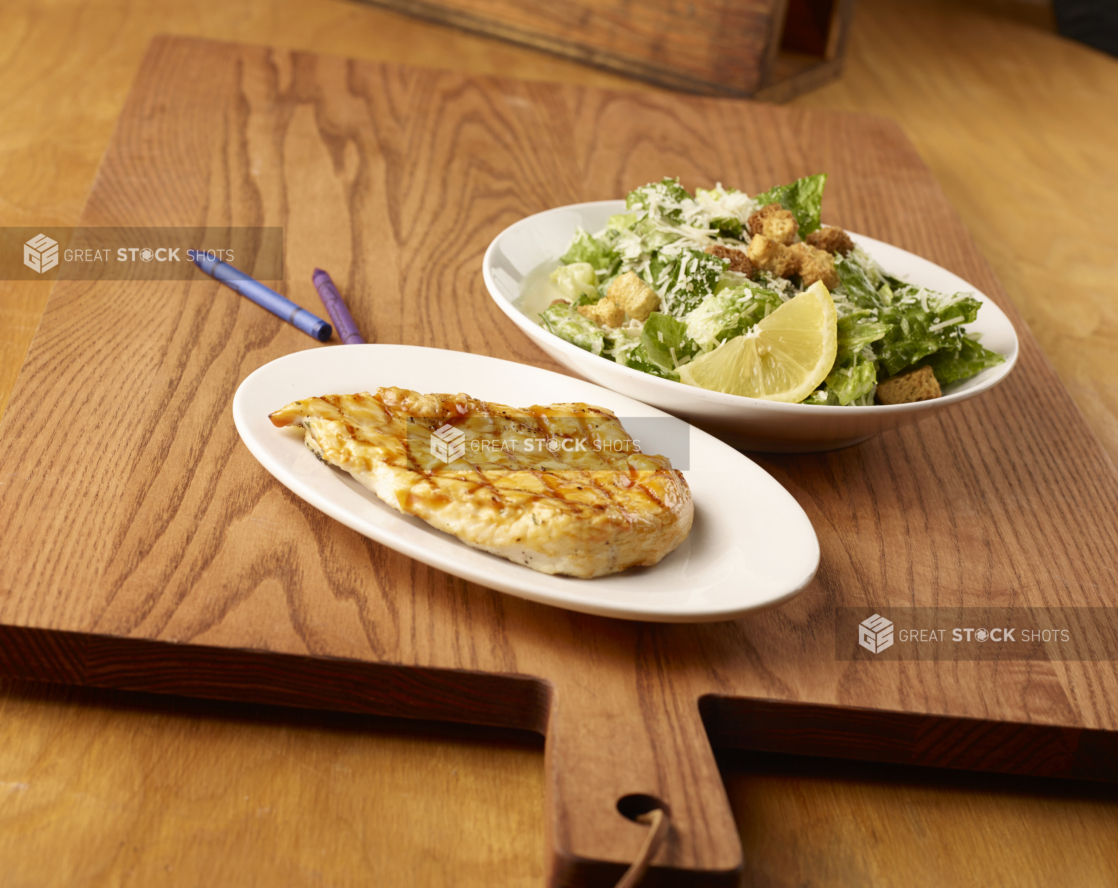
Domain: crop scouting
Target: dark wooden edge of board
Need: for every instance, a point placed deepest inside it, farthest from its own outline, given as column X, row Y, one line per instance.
column 523, row 702
column 304, row 682
column 911, row 738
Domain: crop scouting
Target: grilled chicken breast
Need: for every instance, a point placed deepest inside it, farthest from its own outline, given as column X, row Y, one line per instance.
column 562, row 489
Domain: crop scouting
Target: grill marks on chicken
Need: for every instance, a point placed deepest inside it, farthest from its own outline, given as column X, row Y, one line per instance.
column 562, row 489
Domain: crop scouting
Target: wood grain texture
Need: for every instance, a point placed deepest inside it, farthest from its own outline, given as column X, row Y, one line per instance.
column 720, row 47
column 895, row 827
column 66, row 70
column 621, row 648
column 1009, row 120
column 712, row 47
column 149, row 790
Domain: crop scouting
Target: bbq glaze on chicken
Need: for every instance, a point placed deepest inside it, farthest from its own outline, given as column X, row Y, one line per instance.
column 562, row 489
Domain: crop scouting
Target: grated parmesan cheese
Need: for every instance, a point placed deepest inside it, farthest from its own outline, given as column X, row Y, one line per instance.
column 942, row 324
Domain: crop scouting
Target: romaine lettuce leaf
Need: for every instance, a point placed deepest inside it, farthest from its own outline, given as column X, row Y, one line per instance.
column 653, row 238
column 685, row 280
column 968, row 360
column 854, row 381
column 920, row 325
column 857, row 330
column 906, row 343
column 804, row 198
column 598, row 252
column 727, row 227
column 730, row 313
column 665, row 340
column 860, row 281
column 564, row 321
column 621, row 221
column 667, row 194
column 578, row 282
column 632, row 353
column 725, row 208
column 904, row 324
column 947, row 308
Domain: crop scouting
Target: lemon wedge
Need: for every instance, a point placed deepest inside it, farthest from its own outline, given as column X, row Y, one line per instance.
column 783, row 358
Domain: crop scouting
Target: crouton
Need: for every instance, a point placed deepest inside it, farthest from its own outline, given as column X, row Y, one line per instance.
column 768, row 255
column 833, row 240
column 634, row 296
column 739, row 262
column 814, row 265
column 559, row 302
column 907, row 388
column 775, row 223
column 604, row 313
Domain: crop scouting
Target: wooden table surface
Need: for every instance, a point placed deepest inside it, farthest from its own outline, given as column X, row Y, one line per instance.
column 102, row 788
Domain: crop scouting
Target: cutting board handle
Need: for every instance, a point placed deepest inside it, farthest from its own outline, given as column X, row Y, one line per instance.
column 610, row 757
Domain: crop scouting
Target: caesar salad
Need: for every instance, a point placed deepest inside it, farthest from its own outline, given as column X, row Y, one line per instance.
column 754, row 296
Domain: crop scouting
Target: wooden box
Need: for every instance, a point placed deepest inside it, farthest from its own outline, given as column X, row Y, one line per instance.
column 768, row 49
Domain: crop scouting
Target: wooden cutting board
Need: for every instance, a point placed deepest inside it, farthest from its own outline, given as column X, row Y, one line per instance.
column 142, row 547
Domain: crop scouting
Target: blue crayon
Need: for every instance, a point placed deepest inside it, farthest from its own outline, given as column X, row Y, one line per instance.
column 263, row 296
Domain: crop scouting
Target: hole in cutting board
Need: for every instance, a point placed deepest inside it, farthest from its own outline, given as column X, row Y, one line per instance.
column 633, row 806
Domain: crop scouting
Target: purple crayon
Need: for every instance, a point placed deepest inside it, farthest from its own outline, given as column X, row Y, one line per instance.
column 339, row 314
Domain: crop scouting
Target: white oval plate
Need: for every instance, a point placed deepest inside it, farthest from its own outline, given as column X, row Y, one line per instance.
column 744, row 422
column 751, row 546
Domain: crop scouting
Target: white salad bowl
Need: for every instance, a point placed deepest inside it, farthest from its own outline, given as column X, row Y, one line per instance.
column 535, row 244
